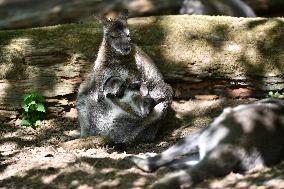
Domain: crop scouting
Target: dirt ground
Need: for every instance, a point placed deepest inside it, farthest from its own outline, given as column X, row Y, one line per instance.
column 54, row 157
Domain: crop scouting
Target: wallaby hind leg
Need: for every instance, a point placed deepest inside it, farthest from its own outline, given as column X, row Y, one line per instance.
column 216, row 163
column 84, row 125
column 185, row 162
column 188, row 145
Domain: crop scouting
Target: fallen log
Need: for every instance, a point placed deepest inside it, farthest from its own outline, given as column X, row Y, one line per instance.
column 33, row 13
column 198, row 55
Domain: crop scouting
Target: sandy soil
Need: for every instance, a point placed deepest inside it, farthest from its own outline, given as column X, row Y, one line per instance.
column 53, row 156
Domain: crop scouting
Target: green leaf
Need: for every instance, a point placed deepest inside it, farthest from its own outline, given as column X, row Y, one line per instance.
column 25, row 107
column 277, row 94
column 25, row 122
column 40, row 107
column 32, row 102
column 33, row 106
column 40, row 98
column 37, row 123
column 26, row 96
column 271, row 93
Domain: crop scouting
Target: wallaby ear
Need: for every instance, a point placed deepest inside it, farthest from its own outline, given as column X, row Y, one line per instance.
column 105, row 21
column 123, row 15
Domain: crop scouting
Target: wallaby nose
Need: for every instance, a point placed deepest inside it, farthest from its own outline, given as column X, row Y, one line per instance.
column 127, row 49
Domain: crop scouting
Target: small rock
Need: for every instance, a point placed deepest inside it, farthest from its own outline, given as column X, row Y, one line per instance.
column 71, row 114
column 240, row 92
column 206, row 97
column 49, row 155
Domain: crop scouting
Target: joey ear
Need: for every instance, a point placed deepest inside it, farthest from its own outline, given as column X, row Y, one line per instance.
column 123, row 15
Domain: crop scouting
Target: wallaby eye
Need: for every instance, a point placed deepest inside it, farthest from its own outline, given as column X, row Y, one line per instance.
column 114, row 35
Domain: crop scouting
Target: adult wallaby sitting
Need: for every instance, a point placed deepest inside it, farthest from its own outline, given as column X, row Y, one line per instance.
column 238, row 140
column 126, row 96
column 236, row 8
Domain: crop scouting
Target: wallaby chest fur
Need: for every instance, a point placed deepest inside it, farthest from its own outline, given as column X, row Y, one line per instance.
column 109, row 65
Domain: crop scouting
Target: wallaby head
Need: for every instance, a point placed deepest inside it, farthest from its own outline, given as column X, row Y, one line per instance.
column 116, row 33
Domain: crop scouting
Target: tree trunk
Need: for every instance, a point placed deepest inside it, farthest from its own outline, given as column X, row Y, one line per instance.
column 198, row 55
column 267, row 7
column 32, row 13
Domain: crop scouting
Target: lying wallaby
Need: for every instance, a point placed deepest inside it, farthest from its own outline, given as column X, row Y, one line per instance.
column 238, row 140
column 126, row 96
column 217, row 7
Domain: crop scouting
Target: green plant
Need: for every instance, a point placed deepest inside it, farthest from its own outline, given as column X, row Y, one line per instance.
column 276, row 94
column 33, row 109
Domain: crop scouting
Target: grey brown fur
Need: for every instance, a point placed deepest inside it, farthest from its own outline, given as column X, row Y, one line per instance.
column 126, row 96
column 236, row 8
column 238, row 140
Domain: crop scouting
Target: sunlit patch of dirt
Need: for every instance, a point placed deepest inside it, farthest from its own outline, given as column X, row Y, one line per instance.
column 53, row 156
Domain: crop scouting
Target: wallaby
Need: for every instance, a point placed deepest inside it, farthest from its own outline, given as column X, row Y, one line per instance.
column 236, row 8
column 238, row 140
column 126, row 96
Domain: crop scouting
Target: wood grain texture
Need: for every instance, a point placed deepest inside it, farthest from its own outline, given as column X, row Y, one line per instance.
column 33, row 13
column 198, row 55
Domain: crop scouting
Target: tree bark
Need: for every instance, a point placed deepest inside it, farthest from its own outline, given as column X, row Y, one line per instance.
column 198, row 55
column 267, row 7
column 33, row 13
column 16, row 14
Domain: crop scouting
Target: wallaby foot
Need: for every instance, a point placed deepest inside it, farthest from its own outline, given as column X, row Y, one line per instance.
column 144, row 162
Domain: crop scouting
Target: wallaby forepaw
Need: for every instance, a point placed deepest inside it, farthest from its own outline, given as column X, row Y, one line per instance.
column 135, row 85
column 159, row 109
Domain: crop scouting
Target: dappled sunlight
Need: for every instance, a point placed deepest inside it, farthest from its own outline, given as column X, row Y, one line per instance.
column 19, row 45
column 141, row 5
column 200, row 59
column 221, row 55
column 11, row 58
column 260, row 178
column 232, row 46
column 75, row 170
column 52, row 131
